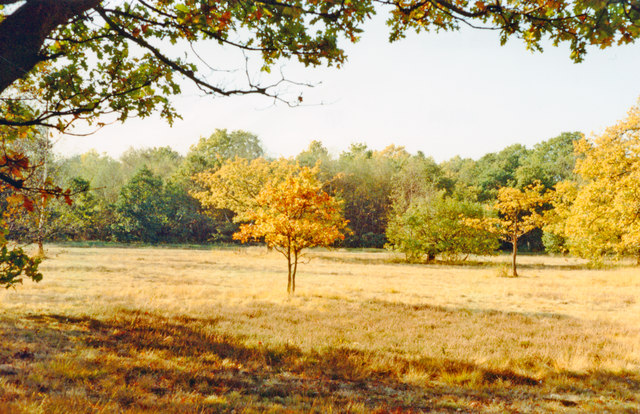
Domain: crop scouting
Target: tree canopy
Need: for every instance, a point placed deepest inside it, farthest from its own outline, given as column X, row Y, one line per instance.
column 599, row 216
column 434, row 225
column 210, row 153
column 69, row 60
column 78, row 59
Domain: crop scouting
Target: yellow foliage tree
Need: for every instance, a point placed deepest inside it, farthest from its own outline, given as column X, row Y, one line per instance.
column 555, row 219
column 237, row 183
column 519, row 212
column 230, row 191
column 601, row 216
column 278, row 202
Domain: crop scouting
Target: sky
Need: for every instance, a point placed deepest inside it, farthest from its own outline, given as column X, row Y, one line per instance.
column 444, row 94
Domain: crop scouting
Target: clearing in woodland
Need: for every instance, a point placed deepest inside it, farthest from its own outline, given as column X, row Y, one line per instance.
column 179, row 330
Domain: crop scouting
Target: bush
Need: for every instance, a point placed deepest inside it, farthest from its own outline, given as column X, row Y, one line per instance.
column 434, row 225
column 554, row 243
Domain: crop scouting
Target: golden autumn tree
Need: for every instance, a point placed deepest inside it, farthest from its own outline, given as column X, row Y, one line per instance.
column 561, row 199
column 519, row 212
column 237, row 183
column 293, row 215
column 229, row 192
column 277, row 202
column 601, row 216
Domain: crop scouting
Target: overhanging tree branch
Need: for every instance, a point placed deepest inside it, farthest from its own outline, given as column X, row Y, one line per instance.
column 31, row 23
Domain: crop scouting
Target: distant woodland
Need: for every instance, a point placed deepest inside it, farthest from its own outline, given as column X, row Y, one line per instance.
column 391, row 198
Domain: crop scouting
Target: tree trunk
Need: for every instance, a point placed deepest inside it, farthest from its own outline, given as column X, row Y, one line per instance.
column 289, row 275
column 43, row 202
column 295, row 269
column 23, row 32
column 513, row 258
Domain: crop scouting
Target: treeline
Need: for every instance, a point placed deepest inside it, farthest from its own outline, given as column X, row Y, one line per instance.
column 147, row 195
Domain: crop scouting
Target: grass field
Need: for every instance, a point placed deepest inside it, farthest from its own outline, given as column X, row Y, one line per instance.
column 184, row 330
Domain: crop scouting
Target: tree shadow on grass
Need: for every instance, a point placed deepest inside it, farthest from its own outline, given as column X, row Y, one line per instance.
column 486, row 264
column 137, row 361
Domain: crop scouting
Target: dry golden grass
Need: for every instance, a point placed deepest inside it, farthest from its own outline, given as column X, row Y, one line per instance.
column 176, row 330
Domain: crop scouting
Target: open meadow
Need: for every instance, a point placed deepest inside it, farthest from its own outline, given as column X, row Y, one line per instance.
column 200, row 330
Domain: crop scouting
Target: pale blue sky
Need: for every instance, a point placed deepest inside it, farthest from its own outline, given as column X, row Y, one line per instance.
column 445, row 94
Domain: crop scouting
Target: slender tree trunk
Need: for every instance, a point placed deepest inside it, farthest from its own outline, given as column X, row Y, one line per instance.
column 43, row 202
column 290, row 268
column 295, row 269
column 514, row 242
column 289, row 275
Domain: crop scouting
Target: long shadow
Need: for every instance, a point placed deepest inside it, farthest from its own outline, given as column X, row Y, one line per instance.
column 478, row 263
column 439, row 263
column 547, row 266
column 151, row 356
column 412, row 307
column 537, row 266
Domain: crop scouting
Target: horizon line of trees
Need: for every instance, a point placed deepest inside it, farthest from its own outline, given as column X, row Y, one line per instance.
column 145, row 195
column 407, row 202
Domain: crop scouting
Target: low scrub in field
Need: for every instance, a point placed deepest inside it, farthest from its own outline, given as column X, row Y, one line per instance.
column 161, row 330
